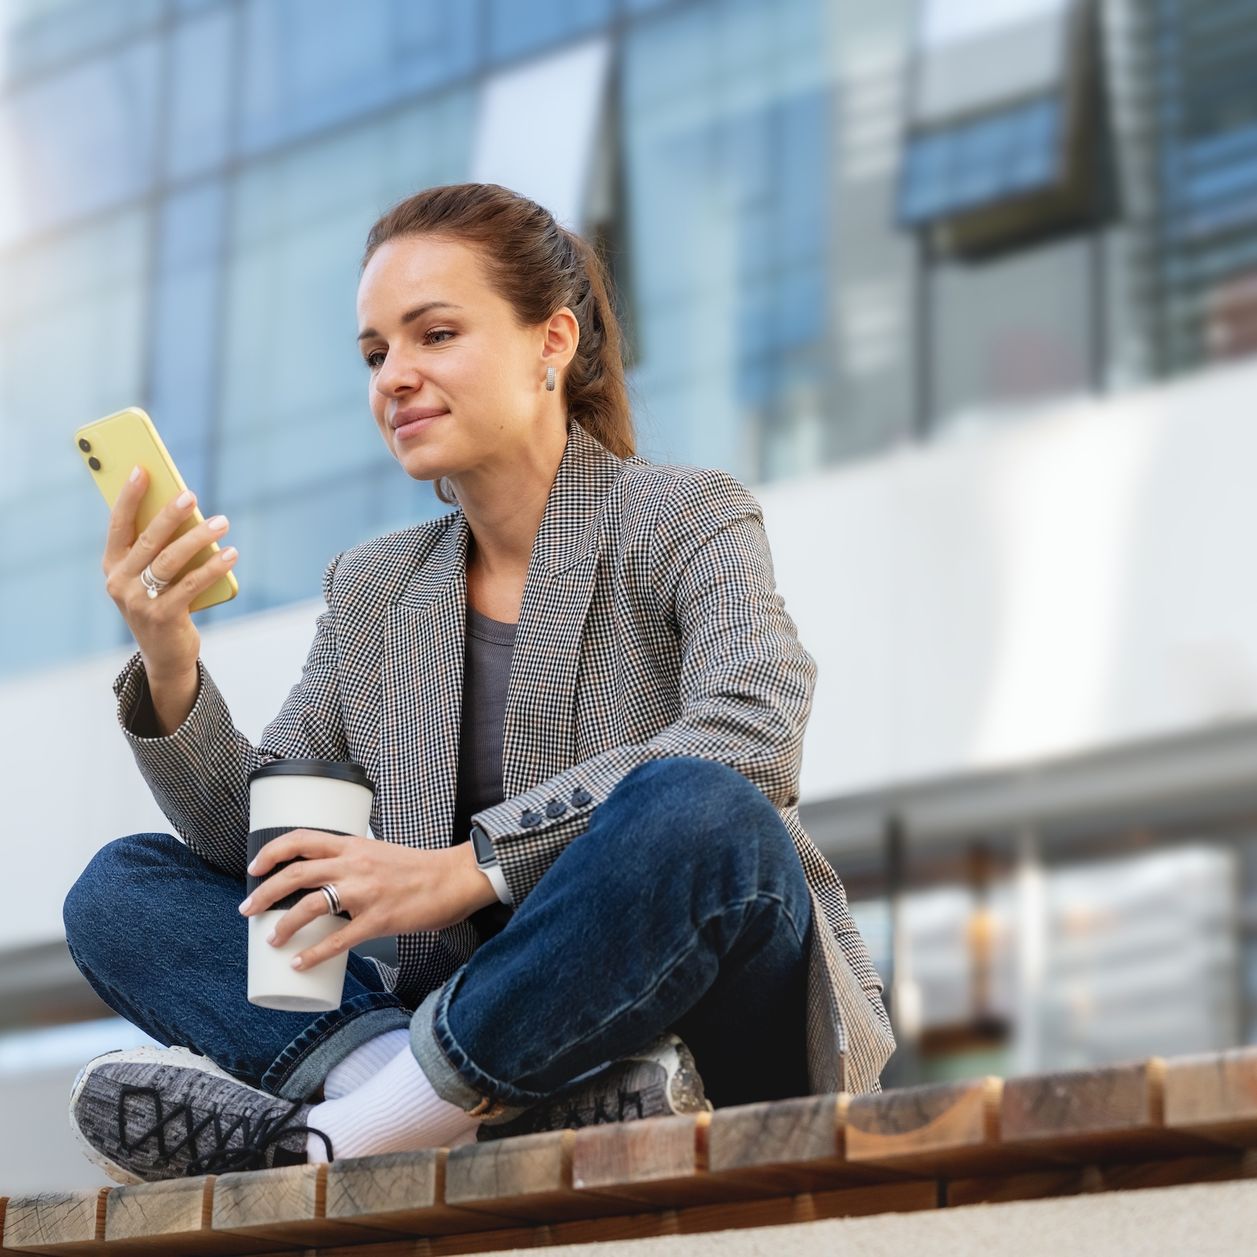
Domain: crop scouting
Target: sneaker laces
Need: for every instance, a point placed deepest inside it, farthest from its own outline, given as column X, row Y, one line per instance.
column 250, row 1154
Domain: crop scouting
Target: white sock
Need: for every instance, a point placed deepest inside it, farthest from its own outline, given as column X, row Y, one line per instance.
column 364, row 1061
column 395, row 1110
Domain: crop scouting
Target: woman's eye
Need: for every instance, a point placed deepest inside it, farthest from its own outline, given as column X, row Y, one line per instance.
column 370, row 358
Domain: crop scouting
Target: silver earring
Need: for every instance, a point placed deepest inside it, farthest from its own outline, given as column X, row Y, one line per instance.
column 550, row 378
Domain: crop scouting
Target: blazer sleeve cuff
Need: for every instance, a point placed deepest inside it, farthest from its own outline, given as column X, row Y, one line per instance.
column 530, row 830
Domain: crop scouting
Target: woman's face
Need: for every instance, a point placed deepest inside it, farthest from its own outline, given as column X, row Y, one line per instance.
column 464, row 357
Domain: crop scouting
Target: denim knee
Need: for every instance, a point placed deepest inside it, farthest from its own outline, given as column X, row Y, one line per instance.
column 707, row 812
column 93, row 898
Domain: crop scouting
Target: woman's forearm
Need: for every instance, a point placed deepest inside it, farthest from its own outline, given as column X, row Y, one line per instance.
column 173, row 698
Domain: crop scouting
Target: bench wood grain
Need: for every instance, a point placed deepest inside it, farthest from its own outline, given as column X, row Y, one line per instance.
column 402, row 1192
column 936, row 1128
column 1113, row 1112
column 55, row 1222
column 284, row 1203
column 174, row 1215
column 1214, row 1094
column 787, row 1145
column 526, row 1177
column 656, row 1163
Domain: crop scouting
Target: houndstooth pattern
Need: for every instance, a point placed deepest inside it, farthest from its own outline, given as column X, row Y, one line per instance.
column 650, row 626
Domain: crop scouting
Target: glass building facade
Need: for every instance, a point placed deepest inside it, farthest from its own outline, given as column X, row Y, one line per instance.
column 185, row 188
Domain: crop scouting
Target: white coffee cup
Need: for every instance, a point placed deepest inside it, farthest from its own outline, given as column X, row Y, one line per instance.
column 288, row 794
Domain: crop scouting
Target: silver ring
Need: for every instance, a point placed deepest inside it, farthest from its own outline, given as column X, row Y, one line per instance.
column 154, row 584
column 333, row 899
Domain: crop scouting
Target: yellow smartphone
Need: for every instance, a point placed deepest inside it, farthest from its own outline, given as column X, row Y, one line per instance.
column 110, row 447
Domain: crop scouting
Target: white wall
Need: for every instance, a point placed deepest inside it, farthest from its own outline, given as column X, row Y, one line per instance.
column 1064, row 582
column 1069, row 581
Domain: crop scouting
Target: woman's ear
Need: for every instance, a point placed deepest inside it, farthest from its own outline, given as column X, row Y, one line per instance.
column 562, row 335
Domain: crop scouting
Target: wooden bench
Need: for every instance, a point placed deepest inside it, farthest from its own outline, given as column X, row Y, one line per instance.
column 1141, row 1124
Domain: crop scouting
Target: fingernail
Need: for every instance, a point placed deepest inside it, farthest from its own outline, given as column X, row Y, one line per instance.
column 184, row 499
column 270, row 938
column 135, row 473
column 297, row 962
column 253, row 866
column 218, row 523
column 244, row 905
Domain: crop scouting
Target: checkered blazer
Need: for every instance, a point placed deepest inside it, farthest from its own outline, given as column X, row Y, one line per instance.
column 650, row 626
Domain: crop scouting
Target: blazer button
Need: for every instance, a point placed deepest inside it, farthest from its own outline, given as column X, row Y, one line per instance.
column 556, row 807
column 530, row 819
column 581, row 796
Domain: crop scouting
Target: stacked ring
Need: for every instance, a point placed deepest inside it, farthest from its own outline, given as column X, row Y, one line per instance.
column 154, row 584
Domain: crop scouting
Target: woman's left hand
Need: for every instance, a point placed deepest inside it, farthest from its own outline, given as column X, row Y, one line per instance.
column 387, row 889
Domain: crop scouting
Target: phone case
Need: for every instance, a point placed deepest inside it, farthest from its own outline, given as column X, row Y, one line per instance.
column 110, row 447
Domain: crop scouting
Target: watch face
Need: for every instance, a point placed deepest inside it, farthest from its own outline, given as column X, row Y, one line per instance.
column 482, row 844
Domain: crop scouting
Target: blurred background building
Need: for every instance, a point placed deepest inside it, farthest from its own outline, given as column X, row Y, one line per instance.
column 965, row 290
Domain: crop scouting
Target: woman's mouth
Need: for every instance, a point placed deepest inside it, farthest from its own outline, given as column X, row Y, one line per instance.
column 411, row 429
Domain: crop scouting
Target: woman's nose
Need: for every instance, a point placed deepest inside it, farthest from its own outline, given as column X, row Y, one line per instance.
column 396, row 373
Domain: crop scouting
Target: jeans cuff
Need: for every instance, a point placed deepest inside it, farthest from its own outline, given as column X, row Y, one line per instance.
column 451, row 1072
column 299, row 1069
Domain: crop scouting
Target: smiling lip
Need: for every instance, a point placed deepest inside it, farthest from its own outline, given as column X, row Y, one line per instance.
column 407, row 423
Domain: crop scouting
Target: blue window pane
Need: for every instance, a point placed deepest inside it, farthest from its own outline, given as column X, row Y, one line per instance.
column 924, row 182
column 517, row 29
column 979, row 157
column 72, row 30
column 197, row 130
column 309, row 64
column 183, row 326
column 978, row 162
column 80, row 142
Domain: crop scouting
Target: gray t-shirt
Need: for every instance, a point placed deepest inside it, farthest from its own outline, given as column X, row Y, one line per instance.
column 486, row 670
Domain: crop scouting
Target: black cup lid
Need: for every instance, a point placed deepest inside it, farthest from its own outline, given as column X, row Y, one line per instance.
column 340, row 769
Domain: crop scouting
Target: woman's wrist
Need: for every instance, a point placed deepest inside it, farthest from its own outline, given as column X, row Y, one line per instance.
column 479, row 890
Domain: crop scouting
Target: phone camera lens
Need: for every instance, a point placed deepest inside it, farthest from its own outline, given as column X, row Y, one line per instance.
column 94, row 463
column 84, row 444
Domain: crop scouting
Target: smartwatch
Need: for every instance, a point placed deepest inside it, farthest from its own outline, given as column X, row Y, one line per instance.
column 487, row 862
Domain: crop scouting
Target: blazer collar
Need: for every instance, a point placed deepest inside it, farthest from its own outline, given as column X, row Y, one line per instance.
column 567, row 530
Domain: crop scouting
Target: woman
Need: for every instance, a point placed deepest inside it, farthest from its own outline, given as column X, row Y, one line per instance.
column 588, row 661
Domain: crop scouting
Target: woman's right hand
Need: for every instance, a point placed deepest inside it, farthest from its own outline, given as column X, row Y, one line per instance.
column 162, row 626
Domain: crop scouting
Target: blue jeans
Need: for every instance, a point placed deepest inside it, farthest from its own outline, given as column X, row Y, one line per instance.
column 683, row 907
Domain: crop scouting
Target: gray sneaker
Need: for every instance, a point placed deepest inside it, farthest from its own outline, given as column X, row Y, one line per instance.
column 660, row 1079
column 144, row 1114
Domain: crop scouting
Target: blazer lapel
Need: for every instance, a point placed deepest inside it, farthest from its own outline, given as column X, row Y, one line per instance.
column 422, row 699
column 539, row 733
column 423, row 655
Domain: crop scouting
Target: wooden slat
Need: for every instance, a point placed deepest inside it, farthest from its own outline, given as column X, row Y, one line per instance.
column 1074, row 1180
column 284, row 1204
column 942, row 1128
column 786, row 1146
column 655, row 1163
column 1214, row 1094
column 4, row 1204
column 1114, row 1112
column 55, row 1222
column 526, row 1177
column 402, row 1192
column 174, row 1215
column 898, row 1197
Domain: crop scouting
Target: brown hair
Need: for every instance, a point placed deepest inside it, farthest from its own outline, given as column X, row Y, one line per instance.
column 537, row 266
